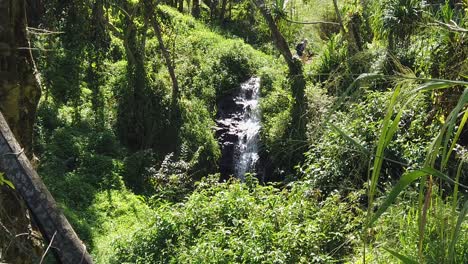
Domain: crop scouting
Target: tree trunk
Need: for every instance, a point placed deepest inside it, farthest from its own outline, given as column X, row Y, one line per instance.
column 19, row 96
column 213, row 6
column 181, row 6
column 35, row 11
column 352, row 45
column 51, row 221
column 338, row 16
column 196, row 8
column 131, row 104
column 223, row 10
column 98, row 46
column 278, row 39
column 296, row 77
column 19, row 89
column 167, row 56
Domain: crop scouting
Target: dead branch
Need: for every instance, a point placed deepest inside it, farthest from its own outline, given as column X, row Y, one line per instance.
column 311, row 22
column 451, row 27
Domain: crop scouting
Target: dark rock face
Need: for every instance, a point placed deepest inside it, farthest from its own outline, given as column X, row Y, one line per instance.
column 226, row 133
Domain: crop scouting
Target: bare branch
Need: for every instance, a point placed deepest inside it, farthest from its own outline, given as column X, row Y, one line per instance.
column 311, row 22
column 123, row 10
column 40, row 31
column 48, row 247
column 28, row 48
column 451, row 27
column 114, row 30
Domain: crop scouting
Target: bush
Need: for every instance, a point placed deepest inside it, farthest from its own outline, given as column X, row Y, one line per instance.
column 235, row 65
column 247, row 223
column 333, row 162
column 114, row 216
column 172, row 181
column 198, row 138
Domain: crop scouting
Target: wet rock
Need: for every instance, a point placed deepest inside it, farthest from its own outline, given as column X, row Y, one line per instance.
column 237, row 130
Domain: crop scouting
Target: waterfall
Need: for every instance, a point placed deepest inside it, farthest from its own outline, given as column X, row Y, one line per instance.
column 246, row 151
column 238, row 127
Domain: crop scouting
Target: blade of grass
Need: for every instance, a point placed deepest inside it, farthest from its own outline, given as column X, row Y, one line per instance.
column 387, row 127
column 401, row 257
column 404, row 181
column 455, row 189
column 431, row 157
column 452, row 119
column 456, row 137
column 436, row 84
column 456, row 234
column 455, row 201
column 423, row 220
column 350, row 139
column 5, row 181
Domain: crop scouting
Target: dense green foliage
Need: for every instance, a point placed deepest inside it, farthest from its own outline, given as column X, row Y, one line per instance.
column 247, row 223
column 135, row 168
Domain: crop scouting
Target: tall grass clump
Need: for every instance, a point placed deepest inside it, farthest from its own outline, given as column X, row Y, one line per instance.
column 432, row 176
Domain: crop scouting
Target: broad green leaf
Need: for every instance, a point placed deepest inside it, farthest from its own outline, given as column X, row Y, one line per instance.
column 5, row 181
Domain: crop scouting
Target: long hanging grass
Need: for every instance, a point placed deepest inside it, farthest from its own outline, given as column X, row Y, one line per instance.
column 441, row 147
column 440, row 143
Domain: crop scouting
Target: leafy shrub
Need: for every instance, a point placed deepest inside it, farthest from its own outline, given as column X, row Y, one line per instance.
column 105, row 143
column 333, row 162
column 318, row 104
column 235, row 66
column 172, row 181
column 234, row 222
column 198, row 138
column 48, row 116
column 114, row 216
column 102, row 171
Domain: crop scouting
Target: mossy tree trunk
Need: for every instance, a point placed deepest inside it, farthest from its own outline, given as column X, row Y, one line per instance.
column 142, row 116
column 19, row 95
column 175, row 119
column 55, row 228
column 353, row 45
column 196, row 8
column 213, row 9
column 222, row 13
column 133, row 98
column 150, row 13
column 180, row 6
column 98, row 45
column 296, row 75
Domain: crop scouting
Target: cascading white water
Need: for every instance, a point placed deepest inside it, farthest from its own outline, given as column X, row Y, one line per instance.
column 248, row 128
